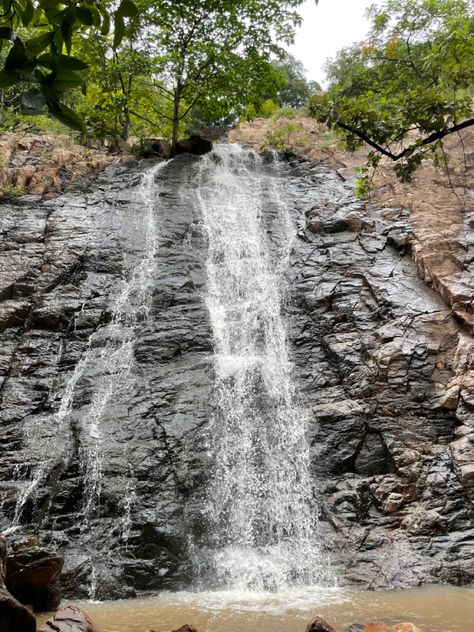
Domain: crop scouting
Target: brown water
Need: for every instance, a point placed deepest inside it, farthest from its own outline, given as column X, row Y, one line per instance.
column 433, row 609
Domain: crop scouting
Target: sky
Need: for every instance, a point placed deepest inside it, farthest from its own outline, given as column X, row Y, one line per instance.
column 326, row 29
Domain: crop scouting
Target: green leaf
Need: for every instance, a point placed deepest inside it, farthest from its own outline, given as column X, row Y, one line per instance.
column 105, row 27
column 56, row 83
column 28, row 13
column 119, row 31
column 67, row 117
column 127, row 9
column 85, row 15
column 6, row 33
column 7, row 80
column 19, row 59
column 61, row 62
column 37, row 45
column 33, row 102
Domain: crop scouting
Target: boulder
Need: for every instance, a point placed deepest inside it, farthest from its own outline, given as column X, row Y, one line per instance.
column 69, row 619
column 33, row 575
column 13, row 616
column 156, row 147
column 195, row 144
column 318, row 624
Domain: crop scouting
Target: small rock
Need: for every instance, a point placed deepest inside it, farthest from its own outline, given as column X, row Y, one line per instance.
column 355, row 627
column 378, row 627
column 186, row 628
column 393, row 503
column 69, row 619
column 406, row 627
column 318, row 624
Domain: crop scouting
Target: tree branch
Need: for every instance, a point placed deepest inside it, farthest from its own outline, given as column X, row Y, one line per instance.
column 431, row 138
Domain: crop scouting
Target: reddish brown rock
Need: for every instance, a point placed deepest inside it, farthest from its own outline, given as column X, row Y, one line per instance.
column 69, row 619
column 318, row 624
column 13, row 616
column 33, row 575
column 378, row 627
column 406, row 627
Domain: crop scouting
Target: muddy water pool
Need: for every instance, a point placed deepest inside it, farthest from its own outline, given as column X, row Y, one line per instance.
column 433, row 609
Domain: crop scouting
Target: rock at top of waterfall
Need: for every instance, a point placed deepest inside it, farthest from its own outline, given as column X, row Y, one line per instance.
column 195, row 144
column 69, row 619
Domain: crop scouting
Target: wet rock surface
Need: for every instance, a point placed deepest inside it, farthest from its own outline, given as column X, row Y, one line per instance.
column 69, row 619
column 381, row 362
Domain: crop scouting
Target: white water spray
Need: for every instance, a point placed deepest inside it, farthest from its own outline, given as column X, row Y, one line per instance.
column 260, row 503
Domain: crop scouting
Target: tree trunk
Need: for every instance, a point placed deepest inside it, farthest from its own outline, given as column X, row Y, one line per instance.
column 174, row 134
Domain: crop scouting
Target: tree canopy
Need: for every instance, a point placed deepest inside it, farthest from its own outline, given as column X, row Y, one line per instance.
column 104, row 66
column 408, row 85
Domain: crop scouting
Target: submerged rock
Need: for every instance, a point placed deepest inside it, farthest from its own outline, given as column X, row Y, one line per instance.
column 69, row 619
column 318, row 624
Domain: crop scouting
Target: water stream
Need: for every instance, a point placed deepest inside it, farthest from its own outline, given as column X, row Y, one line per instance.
column 262, row 518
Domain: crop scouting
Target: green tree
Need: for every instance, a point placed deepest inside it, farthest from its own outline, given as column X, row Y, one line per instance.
column 37, row 36
column 215, row 54
column 296, row 89
column 408, row 86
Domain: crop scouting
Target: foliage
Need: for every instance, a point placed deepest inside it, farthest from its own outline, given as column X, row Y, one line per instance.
column 215, row 54
column 296, row 89
column 39, row 59
column 283, row 136
column 408, row 86
column 158, row 69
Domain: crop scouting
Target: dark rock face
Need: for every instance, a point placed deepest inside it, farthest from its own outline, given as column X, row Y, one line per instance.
column 102, row 431
column 33, row 575
column 69, row 619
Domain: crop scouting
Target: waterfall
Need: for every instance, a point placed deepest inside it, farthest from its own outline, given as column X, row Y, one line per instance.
column 259, row 508
column 108, row 357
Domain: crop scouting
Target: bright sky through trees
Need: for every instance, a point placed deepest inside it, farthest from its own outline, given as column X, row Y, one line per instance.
column 326, row 29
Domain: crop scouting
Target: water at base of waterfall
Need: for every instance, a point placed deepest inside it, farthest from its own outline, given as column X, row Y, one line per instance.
column 260, row 514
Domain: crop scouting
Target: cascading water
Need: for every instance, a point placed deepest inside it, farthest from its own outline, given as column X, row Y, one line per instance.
column 110, row 349
column 260, row 506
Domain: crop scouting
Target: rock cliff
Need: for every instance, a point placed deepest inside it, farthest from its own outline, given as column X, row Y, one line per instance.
column 102, row 449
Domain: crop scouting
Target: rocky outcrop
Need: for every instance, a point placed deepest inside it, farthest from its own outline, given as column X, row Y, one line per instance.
column 69, row 619
column 195, row 144
column 382, row 363
column 13, row 616
column 33, row 575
